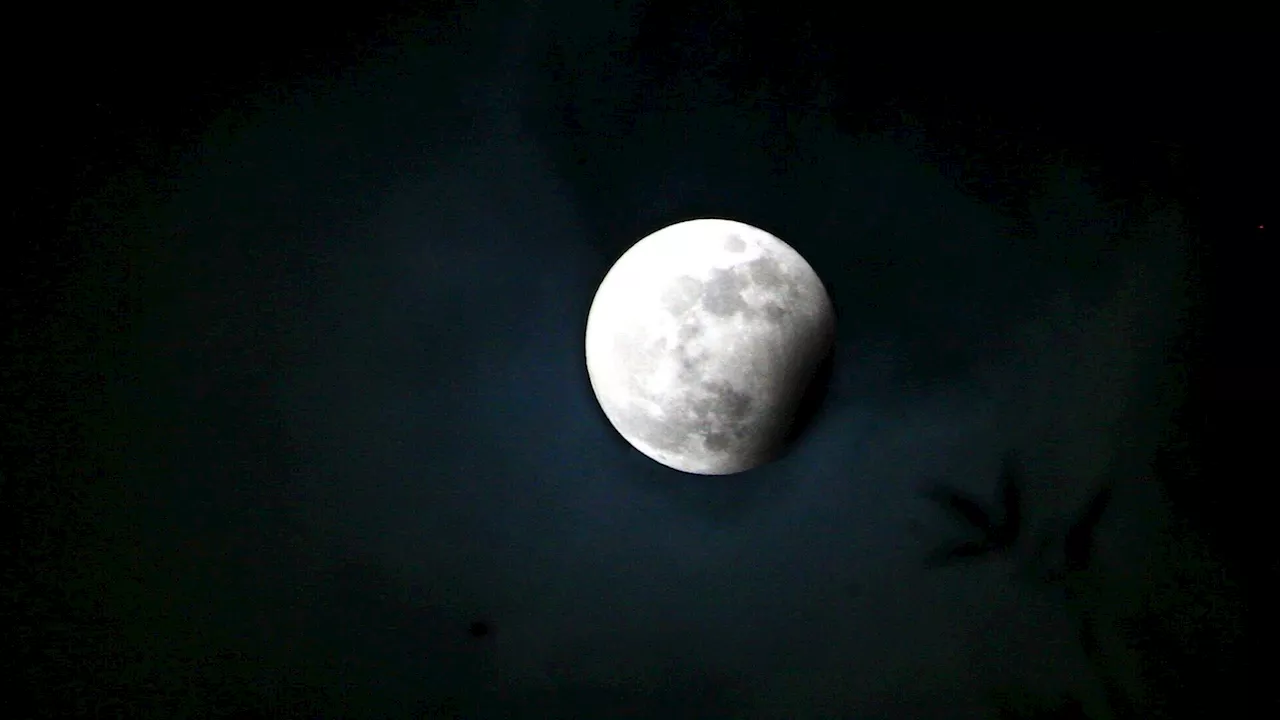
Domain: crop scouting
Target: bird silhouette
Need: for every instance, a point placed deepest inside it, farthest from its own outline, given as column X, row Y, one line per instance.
column 995, row 534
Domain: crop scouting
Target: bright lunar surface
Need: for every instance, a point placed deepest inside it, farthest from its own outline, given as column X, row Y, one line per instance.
column 702, row 341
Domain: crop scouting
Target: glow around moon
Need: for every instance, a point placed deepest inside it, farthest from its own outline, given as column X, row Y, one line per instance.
column 701, row 342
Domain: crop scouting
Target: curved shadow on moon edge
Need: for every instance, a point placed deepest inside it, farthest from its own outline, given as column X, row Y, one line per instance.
column 813, row 401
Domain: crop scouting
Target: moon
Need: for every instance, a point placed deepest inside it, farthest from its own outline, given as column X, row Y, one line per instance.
column 702, row 342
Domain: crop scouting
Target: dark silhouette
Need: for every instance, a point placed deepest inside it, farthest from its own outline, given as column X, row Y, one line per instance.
column 479, row 629
column 995, row 535
column 1078, row 547
column 1001, row 534
column 1078, row 552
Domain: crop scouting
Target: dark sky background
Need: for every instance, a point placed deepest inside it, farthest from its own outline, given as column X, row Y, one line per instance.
column 297, row 421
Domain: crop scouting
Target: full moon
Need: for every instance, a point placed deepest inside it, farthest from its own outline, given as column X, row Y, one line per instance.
column 702, row 341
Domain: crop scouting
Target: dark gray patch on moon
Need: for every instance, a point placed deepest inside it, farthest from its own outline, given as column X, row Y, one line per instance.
column 728, row 402
column 734, row 244
column 722, row 295
column 786, row 287
column 769, row 274
column 689, row 365
column 720, row 415
column 717, row 441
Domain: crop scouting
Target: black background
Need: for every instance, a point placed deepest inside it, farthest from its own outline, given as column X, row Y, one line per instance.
column 105, row 117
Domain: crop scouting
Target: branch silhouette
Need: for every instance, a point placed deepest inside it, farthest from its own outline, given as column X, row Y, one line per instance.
column 1078, row 549
column 994, row 535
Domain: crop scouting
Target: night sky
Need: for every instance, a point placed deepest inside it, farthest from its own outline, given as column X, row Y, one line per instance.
column 297, row 420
